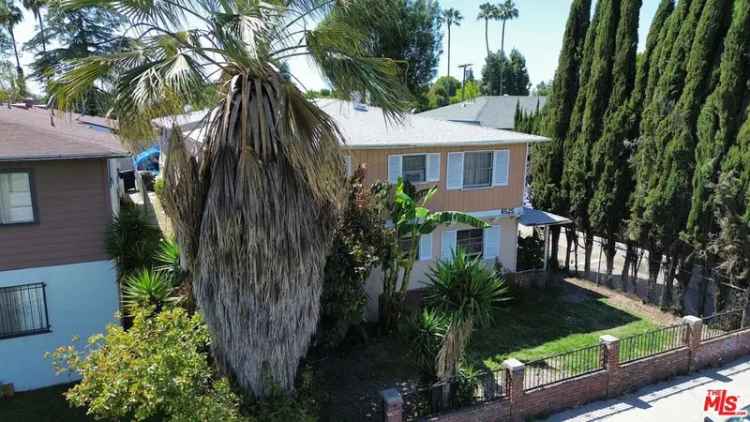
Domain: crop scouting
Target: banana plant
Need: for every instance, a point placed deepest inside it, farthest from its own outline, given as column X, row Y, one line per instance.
column 411, row 219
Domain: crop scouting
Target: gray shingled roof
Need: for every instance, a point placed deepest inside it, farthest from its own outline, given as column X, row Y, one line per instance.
column 30, row 135
column 496, row 112
column 367, row 128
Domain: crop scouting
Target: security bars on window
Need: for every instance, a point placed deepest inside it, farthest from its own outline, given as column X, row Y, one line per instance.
column 23, row 310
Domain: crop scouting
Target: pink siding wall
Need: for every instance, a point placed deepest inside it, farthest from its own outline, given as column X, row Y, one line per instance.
column 74, row 209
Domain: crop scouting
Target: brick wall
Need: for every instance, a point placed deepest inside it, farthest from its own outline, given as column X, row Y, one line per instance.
column 614, row 380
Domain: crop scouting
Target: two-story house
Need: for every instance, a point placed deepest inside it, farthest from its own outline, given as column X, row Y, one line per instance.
column 58, row 194
column 477, row 170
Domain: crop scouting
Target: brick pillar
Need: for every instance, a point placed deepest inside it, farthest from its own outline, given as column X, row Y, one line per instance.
column 515, row 373
column 393, row 405
column 693, row 339
column 611, row 355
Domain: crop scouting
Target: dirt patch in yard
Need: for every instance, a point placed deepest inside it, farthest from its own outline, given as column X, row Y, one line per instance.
column 581, row 289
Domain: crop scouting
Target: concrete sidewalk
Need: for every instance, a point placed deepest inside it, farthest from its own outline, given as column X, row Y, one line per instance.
column 680, row 399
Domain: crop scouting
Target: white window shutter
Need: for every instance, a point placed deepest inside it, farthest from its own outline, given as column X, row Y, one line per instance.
column 425, row 247
column 394, row 168
column 433, row 167
column 500, row 166
column 448, row 244
column 491, row 242
column 455, row 170
column 348, row 165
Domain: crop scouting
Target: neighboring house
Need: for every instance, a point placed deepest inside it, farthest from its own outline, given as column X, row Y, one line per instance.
column 497, row 112
column 58, row 194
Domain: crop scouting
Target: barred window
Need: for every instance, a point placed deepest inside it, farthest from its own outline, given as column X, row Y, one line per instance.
column 471, row 241
column 23, row 310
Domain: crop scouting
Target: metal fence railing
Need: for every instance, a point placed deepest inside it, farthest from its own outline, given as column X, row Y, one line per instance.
column 554, row 369
column 23, row 310
column 455, row 394
column 653, row 342
column 721, row 324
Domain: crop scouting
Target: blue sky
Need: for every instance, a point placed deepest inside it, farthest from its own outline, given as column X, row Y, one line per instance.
column 537, row 33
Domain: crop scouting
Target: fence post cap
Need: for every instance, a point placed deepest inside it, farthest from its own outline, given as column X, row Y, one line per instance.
column 691, row 320
column 608, row 339
column 513, row 365
column 392, row 398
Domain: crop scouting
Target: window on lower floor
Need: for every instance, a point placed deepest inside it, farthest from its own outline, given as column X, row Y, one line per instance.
column 23, row 310
column 16, row 199
column 471, row 242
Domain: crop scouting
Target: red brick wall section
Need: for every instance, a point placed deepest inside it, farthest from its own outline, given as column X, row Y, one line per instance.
column 648, row 371
column 612, row 381
column 717, row 351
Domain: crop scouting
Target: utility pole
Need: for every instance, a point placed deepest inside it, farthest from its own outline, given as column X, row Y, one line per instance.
column 463, row 83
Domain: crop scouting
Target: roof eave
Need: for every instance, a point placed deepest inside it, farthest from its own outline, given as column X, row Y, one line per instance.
column 392, row 145
column 64, row 157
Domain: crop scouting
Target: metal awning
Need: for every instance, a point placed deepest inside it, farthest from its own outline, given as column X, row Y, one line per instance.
column 538, row 218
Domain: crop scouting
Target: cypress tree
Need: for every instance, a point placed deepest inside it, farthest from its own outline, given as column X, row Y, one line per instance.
column 628, row 120
column 663, row 87
column 609, row 156
column 598, row 91
column 719, row 122
column 668, row 205
column 547, row 159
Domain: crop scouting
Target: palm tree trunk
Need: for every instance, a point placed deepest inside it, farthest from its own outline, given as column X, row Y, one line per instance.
column 449, row 51
column 41, row 29
column 19, row 69
column 486, row 36
column 502, row 63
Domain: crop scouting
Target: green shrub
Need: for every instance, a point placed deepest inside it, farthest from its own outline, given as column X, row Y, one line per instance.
column 359, row 237
column 148, row 288
column 168, row 261
column 530, row 252
column 425, row 333
column 132, row 241
column 157, row 370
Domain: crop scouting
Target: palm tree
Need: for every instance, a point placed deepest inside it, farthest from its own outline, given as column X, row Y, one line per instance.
column 10, row 16
column 451, row 17
column 36, row 8
column 487, row 11
column 505, row 12
column 255, row 213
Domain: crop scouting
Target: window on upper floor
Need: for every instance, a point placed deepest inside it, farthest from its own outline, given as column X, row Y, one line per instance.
column 23, row 310
column 414, row 168
column 16, row 198
column 477, row 169
column 471, row 242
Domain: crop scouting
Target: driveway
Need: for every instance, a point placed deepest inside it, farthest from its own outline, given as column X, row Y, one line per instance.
column 680, row 399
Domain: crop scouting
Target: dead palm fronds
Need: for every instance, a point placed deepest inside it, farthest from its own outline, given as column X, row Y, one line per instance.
column 254, row 212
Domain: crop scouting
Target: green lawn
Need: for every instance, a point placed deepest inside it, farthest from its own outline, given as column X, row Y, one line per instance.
column 46, row 405
column 547, row 322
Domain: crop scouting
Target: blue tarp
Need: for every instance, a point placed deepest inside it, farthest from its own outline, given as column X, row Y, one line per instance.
column 148, row 160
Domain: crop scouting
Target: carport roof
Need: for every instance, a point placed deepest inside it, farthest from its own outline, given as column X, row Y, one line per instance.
column 534, row 218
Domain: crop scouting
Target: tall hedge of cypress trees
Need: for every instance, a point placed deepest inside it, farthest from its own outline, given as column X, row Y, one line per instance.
column 668, row 204
column 609, row 155
column 718, row 123
column 548, row 159
column 666, row 82
column 598, row 92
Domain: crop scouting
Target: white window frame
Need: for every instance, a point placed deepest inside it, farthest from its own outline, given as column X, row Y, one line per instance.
column 426, row 165
column 492, row 170
column 32, row 194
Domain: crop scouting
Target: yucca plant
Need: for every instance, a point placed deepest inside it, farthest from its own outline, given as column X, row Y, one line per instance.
column 147, row 288
column 168, row 260
column 256, row 218
column 467, row 292
column 425, row 332
column 131, row 241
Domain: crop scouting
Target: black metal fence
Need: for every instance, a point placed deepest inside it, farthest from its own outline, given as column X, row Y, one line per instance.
column 553, row 369
column 23, row 310
column 653, row 342
column 455, row 394
column 721, row 324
